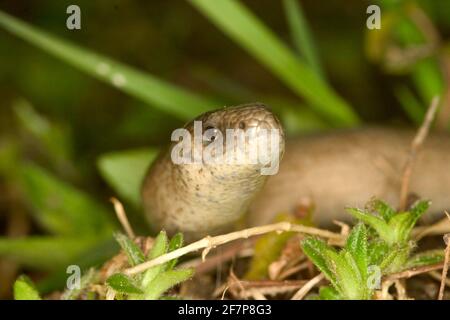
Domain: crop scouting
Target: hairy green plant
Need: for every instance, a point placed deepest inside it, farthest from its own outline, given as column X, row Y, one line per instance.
column 347, row 269
column 381, row 242
column 151, row 284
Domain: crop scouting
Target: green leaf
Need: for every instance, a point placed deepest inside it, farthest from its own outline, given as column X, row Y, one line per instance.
column 123, row 284
column 24, row 289
column 61, row 208
column 165, row 281
column 43, row 252
column 396, row 259
column 160, row 247
column 133, row 252
column 246, row 29
column 175, row 243
column 357, row 246
column 402, row 223
column 329, row 293
column 301, row 35
column 348, row 278
column 140, row 85
column 425, row 258
column 385, row 211
column 376, row 223
column 416, row 211
column 397, row 225
column 125, row 170
column 377, row 250
column 316, row 250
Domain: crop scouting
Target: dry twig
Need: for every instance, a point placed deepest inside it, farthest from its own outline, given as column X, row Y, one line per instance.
column 415, row 146
column 446, row 262
column 413, row 272
column 300, row 294
column 122, row 216
column 438, row 228
column 209, row 242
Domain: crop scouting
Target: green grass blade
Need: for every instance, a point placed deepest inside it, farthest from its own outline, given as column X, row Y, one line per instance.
column 43, row 252
column 247, row 30
column 301, row 35
column 140, row 85
column 410, row 104
column 61, row 208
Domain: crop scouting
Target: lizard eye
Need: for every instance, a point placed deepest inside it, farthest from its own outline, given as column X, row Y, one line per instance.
column 211, row 133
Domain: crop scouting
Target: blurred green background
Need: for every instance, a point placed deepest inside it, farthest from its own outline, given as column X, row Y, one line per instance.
column 71, row 136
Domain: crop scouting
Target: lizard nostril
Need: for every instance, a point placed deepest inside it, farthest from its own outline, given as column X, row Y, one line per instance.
column 242, row 125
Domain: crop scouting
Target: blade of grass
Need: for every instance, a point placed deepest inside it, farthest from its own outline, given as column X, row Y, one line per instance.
column 45, row 253
column 143, row 86
column 61, row 208
column 247, row 30
column 301, row 35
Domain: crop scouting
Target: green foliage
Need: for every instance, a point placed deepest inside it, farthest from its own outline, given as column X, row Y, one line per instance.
column 301, row 35
column 402, row 30
column 46, row 252
column 426, row 258
column 386, row 245
column 134, row 254
column 24, row 289
column 138, row 84
column 234, row 19
column 125, row 170
column 61, row 208
column 54, row 138
column 346, row 269
column 393, row 229
column 123, row 284
column 153, row 282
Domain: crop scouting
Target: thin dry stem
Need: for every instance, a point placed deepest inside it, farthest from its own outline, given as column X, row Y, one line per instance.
column 415, row 146
column 413, row 272
column 401, row 290
column 438, row 276
column 122, row 216
column 300, row 294
column 384, row 292
column 438, row 228
column 209, row 242
column 446, row 262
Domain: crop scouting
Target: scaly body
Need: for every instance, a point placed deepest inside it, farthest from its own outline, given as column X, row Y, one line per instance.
column 331, row 171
